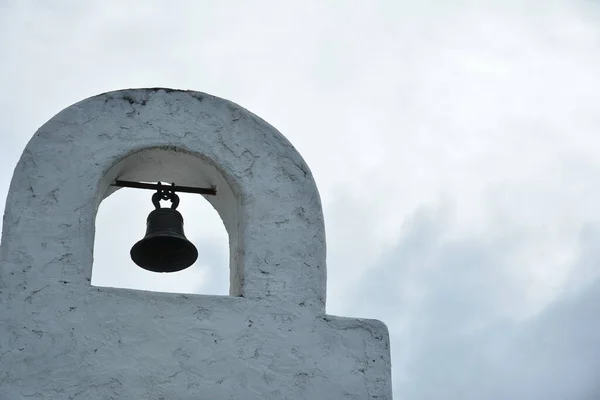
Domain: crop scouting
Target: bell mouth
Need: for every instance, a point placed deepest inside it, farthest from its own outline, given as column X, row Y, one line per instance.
column 158, row 253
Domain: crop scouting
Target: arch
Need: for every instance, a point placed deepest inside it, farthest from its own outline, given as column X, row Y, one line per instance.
column 266, row 195
column 121, row 222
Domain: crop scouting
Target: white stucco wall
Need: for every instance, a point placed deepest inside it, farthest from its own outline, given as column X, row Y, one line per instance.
column 61, row 338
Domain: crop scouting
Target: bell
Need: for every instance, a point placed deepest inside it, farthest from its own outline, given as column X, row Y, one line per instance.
column 164, row 248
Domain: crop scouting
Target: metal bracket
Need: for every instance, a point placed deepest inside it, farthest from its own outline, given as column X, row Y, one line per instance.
column 173, row 188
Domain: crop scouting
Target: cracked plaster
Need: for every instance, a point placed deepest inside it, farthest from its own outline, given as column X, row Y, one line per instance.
column 61, row 338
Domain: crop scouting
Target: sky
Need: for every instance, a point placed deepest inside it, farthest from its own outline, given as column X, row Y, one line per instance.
column 455, row 146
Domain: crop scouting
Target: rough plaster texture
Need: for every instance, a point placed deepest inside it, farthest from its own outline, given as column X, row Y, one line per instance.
column 61, row 338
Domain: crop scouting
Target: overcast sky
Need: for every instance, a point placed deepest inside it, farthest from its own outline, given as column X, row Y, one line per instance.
column 455, row 145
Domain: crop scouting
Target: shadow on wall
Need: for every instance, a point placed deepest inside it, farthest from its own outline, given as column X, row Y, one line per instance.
column 121, row 222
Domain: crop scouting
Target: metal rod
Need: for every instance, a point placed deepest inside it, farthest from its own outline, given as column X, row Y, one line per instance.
column 154, row 186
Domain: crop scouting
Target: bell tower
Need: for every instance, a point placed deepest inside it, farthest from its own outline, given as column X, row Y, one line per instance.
column 61, row 338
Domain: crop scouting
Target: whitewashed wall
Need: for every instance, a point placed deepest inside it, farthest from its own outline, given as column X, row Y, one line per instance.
column 61, row 338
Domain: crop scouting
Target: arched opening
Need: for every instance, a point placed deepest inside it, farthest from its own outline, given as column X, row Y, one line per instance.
column 121, row 222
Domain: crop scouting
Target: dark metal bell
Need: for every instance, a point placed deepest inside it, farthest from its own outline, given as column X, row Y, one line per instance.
column 164, row 248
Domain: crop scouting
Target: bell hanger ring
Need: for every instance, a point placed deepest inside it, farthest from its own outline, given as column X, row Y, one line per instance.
column 165, row 194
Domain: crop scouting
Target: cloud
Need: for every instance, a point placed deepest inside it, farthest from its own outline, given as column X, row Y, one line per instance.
column 459, row 320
